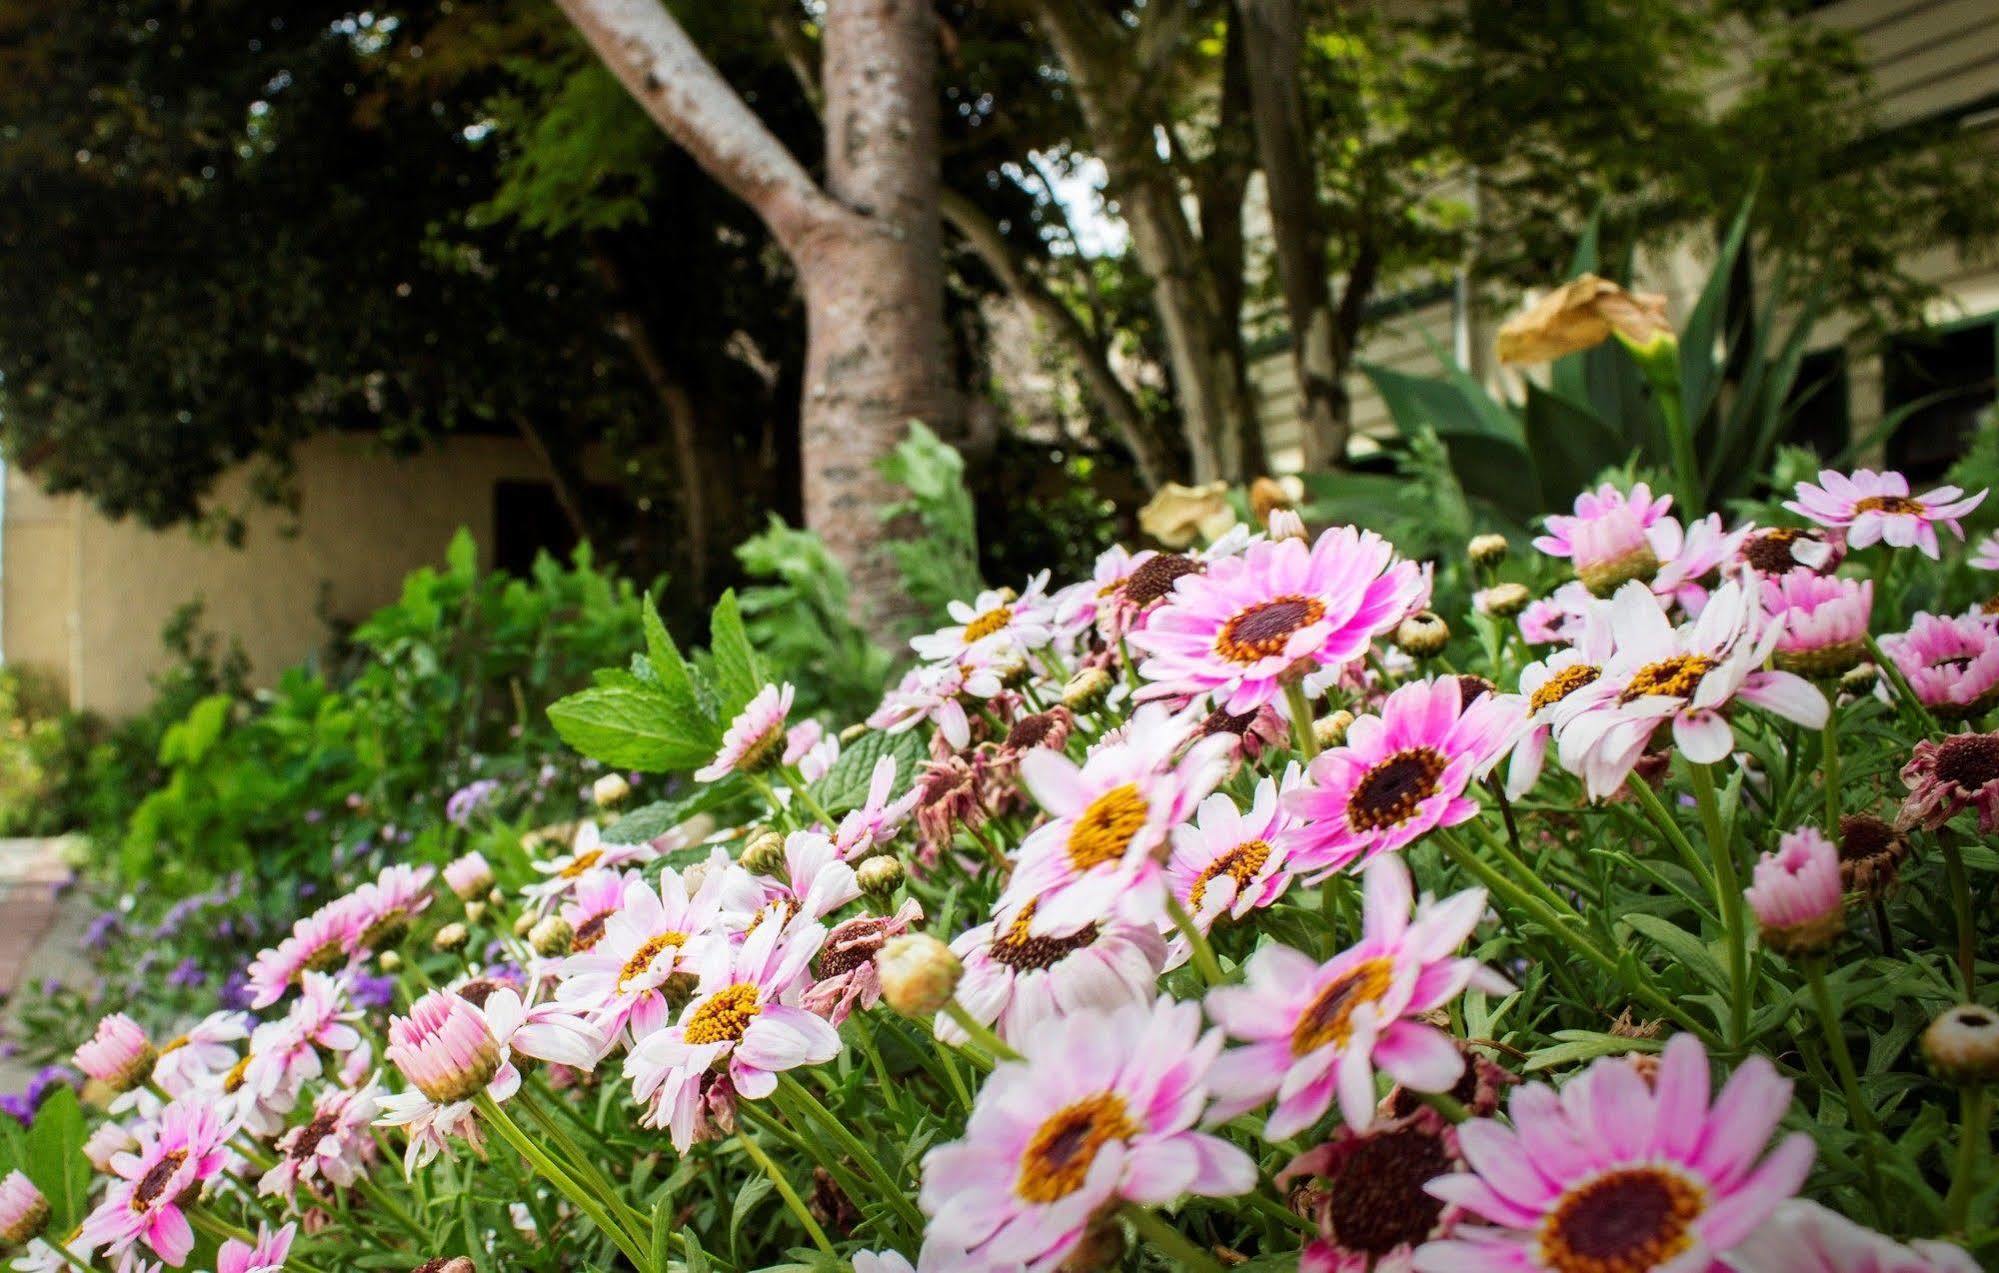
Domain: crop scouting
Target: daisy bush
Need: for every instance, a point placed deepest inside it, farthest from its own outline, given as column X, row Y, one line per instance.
column 1611, row 899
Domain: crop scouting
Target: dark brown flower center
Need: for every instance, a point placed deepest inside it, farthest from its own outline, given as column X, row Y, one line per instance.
column 1387, row 795
column 1058, row 1157
column 1771, row 552
column 844, row 954
column 1865, row 838
column 1562, row 684
column 1470, row 687
column 1625, row 1221
column 1031, row 731
column 1969, row 760
column 589, row 932
column 1893, row 505
column 154, row 1182
column 725, row 1015
column 1675, row 677
column 1375, row 1199
column 1106, row 827
column 1156, row 576
column 478, row 990
column 1240, row 864
column 305, row 1142
column 1261, row 631
column 1221, row 722
column 1022, row 951
column 1329, row 1017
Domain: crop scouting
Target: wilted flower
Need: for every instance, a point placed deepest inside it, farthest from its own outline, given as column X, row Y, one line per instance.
column 1582, row 314
column 1178, row 515
column 1373, row 1210
column 847, row 977
column 1946, row 778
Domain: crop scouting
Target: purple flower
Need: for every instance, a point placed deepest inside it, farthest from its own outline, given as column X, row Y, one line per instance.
column 469, row 800
column 187, row 974
column 236, row 991
column 372, row 992
column 102, row 928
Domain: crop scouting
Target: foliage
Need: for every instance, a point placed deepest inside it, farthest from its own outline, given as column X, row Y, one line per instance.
column 802, row 623
column 940, row 559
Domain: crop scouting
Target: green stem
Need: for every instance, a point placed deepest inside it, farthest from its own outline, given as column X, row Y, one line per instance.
column 380, row 1198
column 65, row 1253
column 891, row 1189
column 785, row 1191
column 583, row 1199
column 1169, row 1241
column 218, row 1228
column 1728, row 901
column 803, row 790
column 1686, row 468
column 583, row 1168
column 1204, row 959
column 1303, row 740
column 1663, row 819
column 1971, row 1136
column 1849, row 1080
column 1904, row 693
column 985, row 1038
column 1446, row 1104
column 1960, row 900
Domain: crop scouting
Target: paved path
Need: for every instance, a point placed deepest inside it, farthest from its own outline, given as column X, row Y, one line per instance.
column 41, row 927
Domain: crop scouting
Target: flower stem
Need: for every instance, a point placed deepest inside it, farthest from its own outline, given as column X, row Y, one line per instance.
column 803, row 790
column 1671, row 830
column 1960, row 901
column 1303, row 740
column 1904, row 693
column 985, row 1038
column 785, row 1190
column 380, row 1197
column 1169, row 1241
column 1205, row 962
column 892, row 1189
column 583, row 1199
column 1849, row 1080
column 1971, row 1136
column 1829, row 761
column 216, row 1227
column 1728, row 900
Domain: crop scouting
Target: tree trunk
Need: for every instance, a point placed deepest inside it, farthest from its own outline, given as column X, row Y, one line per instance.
column 866, row 248
column 1120, row 113
column 1275, row 33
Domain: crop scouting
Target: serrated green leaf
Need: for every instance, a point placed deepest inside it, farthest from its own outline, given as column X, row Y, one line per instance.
column 676, row 679
column 845, row 785
column 654, row 820
column 631, row 729
column 738, row 676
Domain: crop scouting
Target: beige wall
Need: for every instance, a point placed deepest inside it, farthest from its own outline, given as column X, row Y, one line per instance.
column 85, row 597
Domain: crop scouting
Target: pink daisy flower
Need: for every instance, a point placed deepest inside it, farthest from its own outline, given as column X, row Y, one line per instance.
column 266, row 1255
column 745, row 1015
column 1689, row 558
column 1556, row 619
column 588, row 851
column 1238, row 630
column 1653, row 1173
column 937, row 694
column 1556, row 688
column 595, row 897
column 1796, row 893
column 1101, row 1110
column 1317, row 1031
column 1608, row 539
column 847, row 978
column 1685, row 676
column 1099, row 853
column 1804, row 1237
column 1823, row 620
column 1095, row 601
column 387, row 904
column 468, row 877
column 1399, row 775
column 1875, row 507
column 754, row 739
column 1945, row 778
column 284, row 1054
column 1986, row 555
column 336, row 1145
column 652, row 935
column 118, row 1053
column 1373, row 1209
column 327, row 940
column 878, row 819
column 1950, row 661
column 1014, row 980
column 1232, row 861
column 177, row 1154
column 997, row 623
column 450, row 1050
column 814, row 885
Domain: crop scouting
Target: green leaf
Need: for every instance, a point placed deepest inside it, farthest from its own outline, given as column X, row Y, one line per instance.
column 845, row 785
column 1441, row 404
column 631, row 729
column 738, row 675
column 755, row 1189
column 651, row 821
column 1584, row 1045
column 1683, row 946
column 54, row 1158
column 1700, row 367
column 675, row 677
column 1570, row 444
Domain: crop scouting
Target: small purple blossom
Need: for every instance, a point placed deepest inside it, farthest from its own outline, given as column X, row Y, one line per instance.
column 187, row 974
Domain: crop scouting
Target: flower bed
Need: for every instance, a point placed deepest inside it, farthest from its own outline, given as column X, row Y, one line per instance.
column 1227, row 909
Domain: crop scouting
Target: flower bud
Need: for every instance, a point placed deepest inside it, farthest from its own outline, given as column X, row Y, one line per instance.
column 474, row 912
column 853, row 732
column 1285, row 523
column 1486, row 550
column 108, row 1140
column 1963, row 1044
column 389, row 961
column 610, row 791
column 918, row 974
column 1086, row 690
column 118, row 1055
column 24, row 1212
column 1859, row 680
column 879, row 877
column 1330, row 730
column 523, row 923
column 1423, row 634
column 1502, row 600
column 551, row 937
column 468, row 876
column 452, row 936
column 1796, row 896
column 764, row 854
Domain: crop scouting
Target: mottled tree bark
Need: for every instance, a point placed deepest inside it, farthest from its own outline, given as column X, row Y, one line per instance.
column 866, row 246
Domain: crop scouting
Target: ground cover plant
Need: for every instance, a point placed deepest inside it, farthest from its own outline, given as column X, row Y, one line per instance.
column 1617, row 901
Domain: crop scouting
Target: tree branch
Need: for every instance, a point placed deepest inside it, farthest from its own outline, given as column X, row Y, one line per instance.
column 659, row 65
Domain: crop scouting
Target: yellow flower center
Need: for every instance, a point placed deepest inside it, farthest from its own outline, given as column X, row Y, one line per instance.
column 1329, row 1017
column 1387, row 795
column 725, row 1015
column 641, row 961
column 1562, row 684
column 988, row 623
column 1893, row 505
column 1240, row 864
column 1675, row 677
column 1624, row 1221
column 580, row 863
column 1058, row 1158
column 1105, row 830
column 1261, row 631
